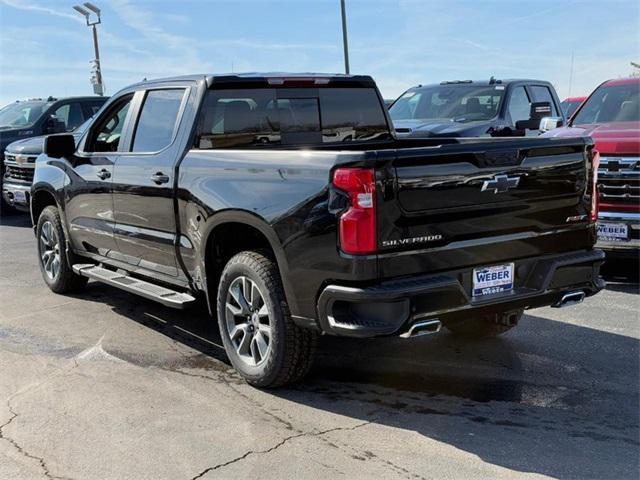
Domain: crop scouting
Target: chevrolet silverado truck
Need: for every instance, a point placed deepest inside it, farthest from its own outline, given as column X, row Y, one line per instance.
column 238, row 189
column 611, row 116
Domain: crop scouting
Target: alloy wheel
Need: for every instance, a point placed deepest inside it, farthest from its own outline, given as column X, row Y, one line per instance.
column 248, row 322
column 49, row 250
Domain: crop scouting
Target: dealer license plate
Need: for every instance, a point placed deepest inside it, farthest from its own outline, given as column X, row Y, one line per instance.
column 490, row 280
column 613, row 231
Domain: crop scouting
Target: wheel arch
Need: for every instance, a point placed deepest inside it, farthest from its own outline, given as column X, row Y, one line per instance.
column 41, row 198
column 235, row 231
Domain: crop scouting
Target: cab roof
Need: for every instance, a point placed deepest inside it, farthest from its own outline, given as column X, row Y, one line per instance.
column 269, row 79
column 623, row 81
column 486, row 83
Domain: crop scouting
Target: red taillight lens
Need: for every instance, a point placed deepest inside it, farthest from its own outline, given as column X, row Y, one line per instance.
column 595, row 200
column 358, row 222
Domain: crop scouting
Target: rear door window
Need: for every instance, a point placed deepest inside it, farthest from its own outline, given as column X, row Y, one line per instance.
column 542, row 94
column 92, row 108
column 300, row 116
column 71, row 114
column 158, row 120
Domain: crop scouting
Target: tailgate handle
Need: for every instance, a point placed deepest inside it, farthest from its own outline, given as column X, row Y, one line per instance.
column 160, row 178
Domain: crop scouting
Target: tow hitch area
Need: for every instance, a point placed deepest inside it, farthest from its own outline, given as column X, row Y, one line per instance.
column 509, row 319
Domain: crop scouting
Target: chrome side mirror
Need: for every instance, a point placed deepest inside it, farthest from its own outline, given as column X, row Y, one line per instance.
column 549, row 123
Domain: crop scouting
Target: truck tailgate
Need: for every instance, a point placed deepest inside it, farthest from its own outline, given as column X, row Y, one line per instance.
column 456, row 203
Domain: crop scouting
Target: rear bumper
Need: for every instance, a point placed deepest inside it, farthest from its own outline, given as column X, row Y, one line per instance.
column 621, row 248
column 391, row 307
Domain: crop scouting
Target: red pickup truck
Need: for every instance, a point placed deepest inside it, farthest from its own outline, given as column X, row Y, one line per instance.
column 611, row 116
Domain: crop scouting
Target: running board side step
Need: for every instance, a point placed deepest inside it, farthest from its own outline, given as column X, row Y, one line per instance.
column 149, row 290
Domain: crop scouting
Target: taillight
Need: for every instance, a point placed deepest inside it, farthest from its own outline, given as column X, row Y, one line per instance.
column 595, row 200
column 358, row 222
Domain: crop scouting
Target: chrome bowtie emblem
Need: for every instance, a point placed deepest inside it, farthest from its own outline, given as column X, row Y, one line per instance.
column 500, row 184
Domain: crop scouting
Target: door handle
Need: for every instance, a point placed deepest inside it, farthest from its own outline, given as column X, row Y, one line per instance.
column 104, row 174
column 160, row 178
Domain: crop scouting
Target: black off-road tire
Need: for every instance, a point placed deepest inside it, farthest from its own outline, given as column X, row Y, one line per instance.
column 481, row 327
column 292, row 348
column 65, row 280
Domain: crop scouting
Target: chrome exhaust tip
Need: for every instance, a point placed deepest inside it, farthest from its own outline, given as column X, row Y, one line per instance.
column 571, row 298
column 424, row 327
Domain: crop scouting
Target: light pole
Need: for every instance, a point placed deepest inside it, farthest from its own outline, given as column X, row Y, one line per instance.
column 344, row 37
column 96, row 78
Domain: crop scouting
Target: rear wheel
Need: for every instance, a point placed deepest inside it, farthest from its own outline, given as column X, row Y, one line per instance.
column 54, row 266
column 486, row 326
column 263, row 344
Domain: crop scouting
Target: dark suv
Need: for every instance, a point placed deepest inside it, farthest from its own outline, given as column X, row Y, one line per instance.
column 33, row 118
column 465, row 108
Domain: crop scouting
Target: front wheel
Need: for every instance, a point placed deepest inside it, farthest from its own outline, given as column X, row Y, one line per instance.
column 263, row 344
column 486, row 326
column 54, row 266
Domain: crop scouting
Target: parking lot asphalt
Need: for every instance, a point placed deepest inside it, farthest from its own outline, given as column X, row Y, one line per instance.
column 107, row 385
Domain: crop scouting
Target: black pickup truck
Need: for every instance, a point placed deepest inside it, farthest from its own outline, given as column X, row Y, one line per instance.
column 288, row 203
column 465, row 108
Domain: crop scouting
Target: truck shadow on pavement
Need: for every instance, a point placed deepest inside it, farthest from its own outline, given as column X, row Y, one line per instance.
column 549, row 397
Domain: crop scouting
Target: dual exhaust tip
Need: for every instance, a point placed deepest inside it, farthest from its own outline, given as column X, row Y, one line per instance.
column 427, row 327
column 571, row 298
column 424, row 327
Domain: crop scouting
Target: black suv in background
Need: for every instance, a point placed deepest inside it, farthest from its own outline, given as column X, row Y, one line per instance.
column 33, row 118
column 465, row 108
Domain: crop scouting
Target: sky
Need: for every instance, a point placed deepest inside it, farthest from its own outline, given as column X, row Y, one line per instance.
column 45, row 46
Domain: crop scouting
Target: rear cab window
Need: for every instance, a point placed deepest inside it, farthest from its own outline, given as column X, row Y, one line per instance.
column 262, row 117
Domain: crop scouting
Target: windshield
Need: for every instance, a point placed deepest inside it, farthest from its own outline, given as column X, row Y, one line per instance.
column 83, row 126
column 459, row 103
column 21, row 114
column 617, row 103
column 569, row 107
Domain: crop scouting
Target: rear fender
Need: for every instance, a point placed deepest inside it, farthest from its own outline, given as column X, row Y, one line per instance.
column 252, row 220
